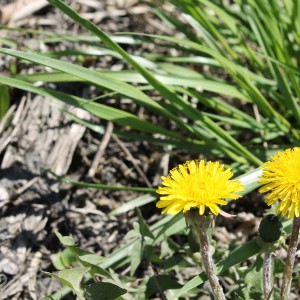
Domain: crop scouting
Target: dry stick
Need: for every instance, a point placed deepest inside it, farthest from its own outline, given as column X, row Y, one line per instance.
column 289, row 263
column 209, row 266
column 133, row 161
column 268, row 275
column 101, row 150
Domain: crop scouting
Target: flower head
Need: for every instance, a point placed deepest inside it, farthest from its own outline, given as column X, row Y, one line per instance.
column 281, row 177
column 197, row 184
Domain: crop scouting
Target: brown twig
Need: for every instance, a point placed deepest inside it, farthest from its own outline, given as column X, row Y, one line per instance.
column 99, row 155
column 133, row 161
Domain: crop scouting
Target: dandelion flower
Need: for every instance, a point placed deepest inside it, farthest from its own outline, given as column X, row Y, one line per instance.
column 281, row 177
column 197, row 184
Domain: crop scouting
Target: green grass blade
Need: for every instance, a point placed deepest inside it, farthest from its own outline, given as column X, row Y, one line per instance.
column 4, row 100
column 131, row 76
column 250, row 180
column 102, row 186
column 132, row 204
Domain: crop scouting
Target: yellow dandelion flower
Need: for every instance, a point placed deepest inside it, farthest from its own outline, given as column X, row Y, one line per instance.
column 281, row 177
column 197, row 184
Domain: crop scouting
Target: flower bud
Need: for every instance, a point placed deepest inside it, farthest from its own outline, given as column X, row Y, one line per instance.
column 270, row 228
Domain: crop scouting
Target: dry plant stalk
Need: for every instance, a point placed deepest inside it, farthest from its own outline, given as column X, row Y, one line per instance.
column 290, row 260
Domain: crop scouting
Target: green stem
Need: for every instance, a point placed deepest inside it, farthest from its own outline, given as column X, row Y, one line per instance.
column 289, row 263
column 209, row 266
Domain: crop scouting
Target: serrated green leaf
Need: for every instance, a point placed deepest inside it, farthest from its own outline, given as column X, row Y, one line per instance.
column 136, row 256
column 103, row 291
column 93, row 261
column 65, row 240
column 161, row 283
column 253, row 277
column 64, row 259
column 144, row 228
column 72, row 278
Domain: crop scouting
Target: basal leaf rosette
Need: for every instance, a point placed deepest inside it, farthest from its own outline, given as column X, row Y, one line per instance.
column 196, row 184
column 281, row 177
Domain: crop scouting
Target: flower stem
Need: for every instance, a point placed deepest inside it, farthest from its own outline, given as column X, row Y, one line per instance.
column 267, row 271
column 289, row 263
column 209, row 266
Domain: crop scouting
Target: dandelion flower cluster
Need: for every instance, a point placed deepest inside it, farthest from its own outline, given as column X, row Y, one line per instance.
column 281, row 177
column 197, row 184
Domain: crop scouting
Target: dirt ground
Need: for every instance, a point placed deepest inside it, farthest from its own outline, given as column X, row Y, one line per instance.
column 32, row 202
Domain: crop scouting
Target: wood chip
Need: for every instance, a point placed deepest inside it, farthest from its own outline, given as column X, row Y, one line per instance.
column 99, row 155
column 20, row 9
column 124, row 4
column 32, row 271
column 62, row 154
column 8, row 266
column 4, row 196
